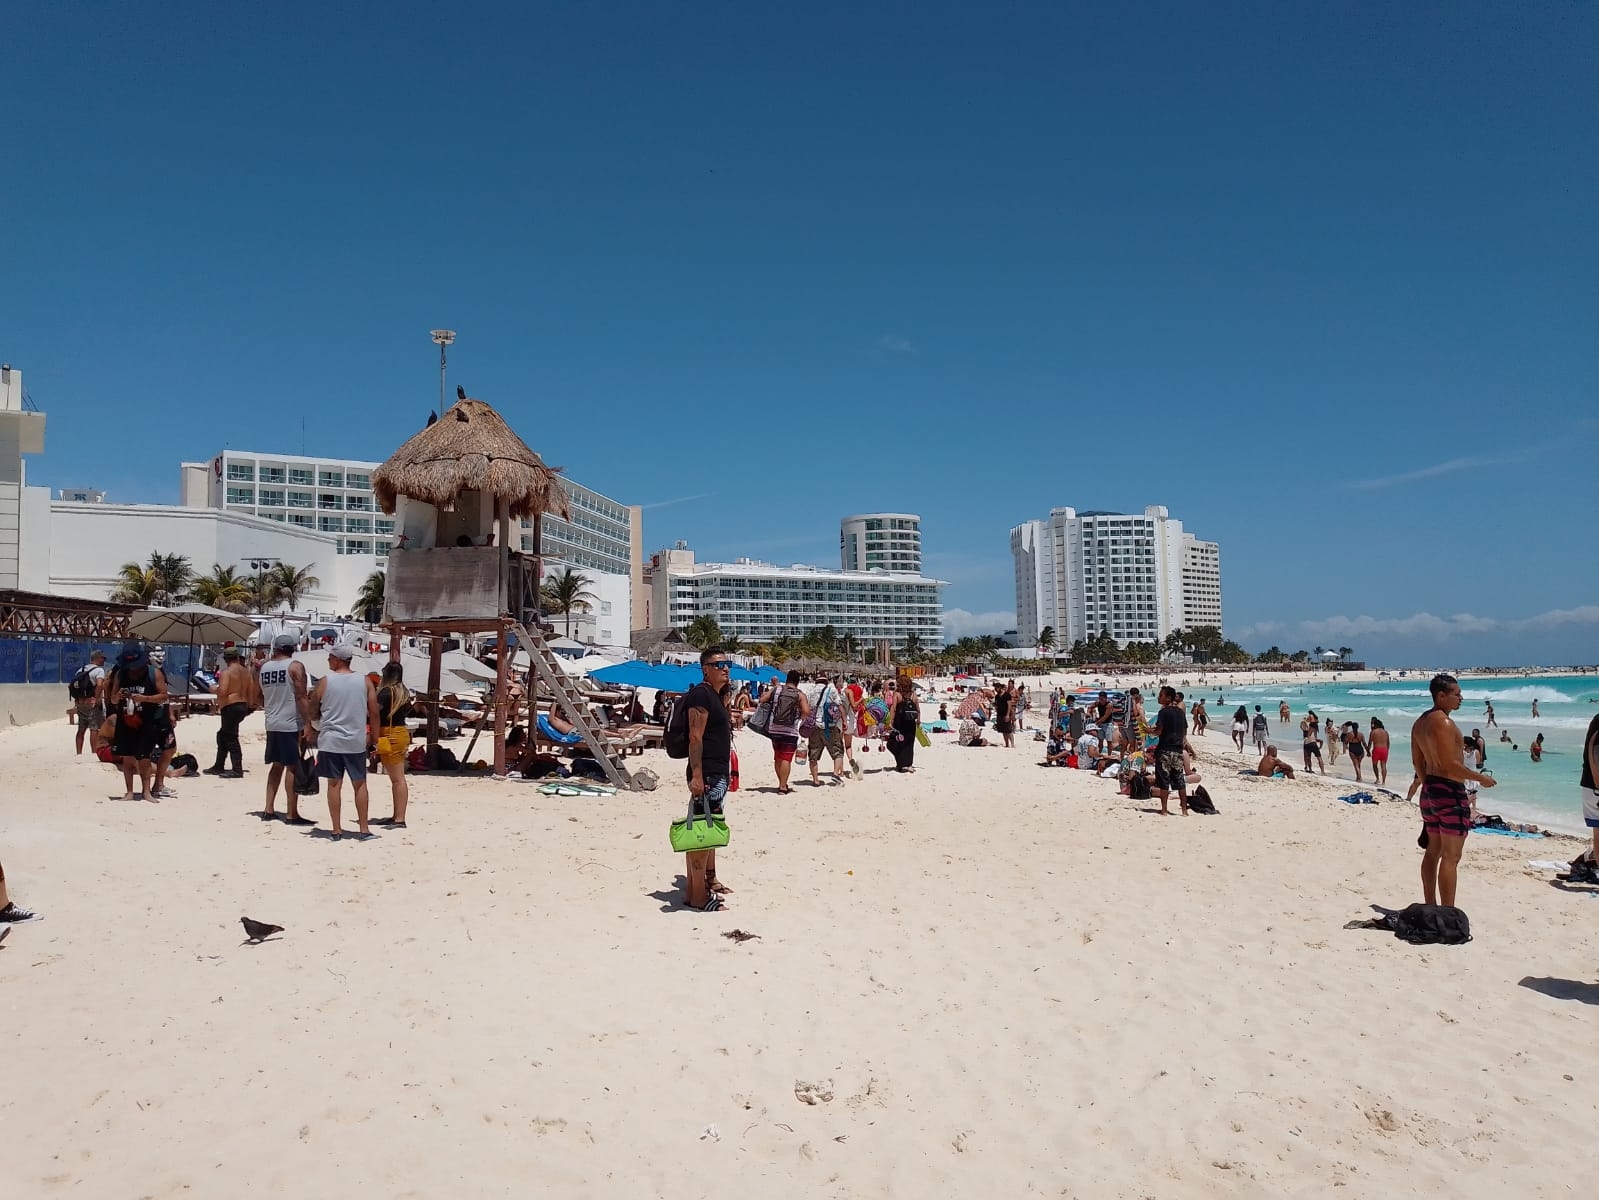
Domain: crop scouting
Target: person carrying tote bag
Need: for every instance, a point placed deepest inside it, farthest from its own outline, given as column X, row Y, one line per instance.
column 789, row 710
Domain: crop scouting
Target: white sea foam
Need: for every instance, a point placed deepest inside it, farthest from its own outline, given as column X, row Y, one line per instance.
column 1499, row 695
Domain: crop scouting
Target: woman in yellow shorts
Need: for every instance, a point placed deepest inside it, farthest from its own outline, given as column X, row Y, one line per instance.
column 394, row 739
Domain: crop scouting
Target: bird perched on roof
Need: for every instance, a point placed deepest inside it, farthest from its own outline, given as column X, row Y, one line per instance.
column 433, row 418
column 460, row 392
column 258, row 931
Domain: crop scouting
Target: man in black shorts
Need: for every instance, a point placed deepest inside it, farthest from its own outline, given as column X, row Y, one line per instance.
column 710, row 752
column 136, row 691
column 1439, row 754
column 1171, row 773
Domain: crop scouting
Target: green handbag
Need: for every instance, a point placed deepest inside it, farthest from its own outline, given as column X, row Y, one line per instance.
column 698, row 831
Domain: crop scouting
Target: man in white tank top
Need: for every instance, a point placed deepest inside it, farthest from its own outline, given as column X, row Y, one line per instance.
column 286, row 698
column 345, row 706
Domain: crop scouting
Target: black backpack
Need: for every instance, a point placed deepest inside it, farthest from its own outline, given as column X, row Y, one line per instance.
column 1138, row 786
column 676, row 737
column 1432, row 924
column 81, row 687
column 1201, row 803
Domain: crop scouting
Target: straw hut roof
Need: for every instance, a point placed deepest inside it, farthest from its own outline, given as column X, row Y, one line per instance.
column 470, row 448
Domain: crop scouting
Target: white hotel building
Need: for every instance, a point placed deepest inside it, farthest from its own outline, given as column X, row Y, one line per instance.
column 1139, row 576
column 758, row 601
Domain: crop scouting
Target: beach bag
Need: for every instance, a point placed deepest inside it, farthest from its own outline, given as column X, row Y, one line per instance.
column 812, row 719
column 306, row 782
column 1201, row 803
column 1138, row 787
column 417, row 759
column 81, row 687
column 698, row 831
column 761, row 719
column 921, row 737
column 1432, row 925
column 646, row 780
column 446, row 760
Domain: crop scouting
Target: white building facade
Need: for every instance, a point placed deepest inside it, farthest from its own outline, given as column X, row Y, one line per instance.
column 881, row 542
column 758, row 602
column 1201, row 583
column 1128, row 574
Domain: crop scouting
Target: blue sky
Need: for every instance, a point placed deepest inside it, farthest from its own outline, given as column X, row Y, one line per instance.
column 1322, row 279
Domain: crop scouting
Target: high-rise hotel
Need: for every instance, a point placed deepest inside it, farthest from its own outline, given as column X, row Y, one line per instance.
column 1139, row 576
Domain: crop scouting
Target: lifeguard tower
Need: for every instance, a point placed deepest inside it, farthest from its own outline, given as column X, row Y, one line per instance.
column 454, row 489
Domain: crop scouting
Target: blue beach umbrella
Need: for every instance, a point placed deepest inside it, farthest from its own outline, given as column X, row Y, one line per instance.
column 634, row 673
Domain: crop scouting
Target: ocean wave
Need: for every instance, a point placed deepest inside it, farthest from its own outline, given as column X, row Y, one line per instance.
column 1468, row 693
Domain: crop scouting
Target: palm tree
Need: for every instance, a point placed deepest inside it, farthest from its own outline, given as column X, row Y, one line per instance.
column 136, row 585
column 225, row 588
column 703, row 632
column 371, row 596
column 173, row 574
column 1320, row 650
column 567, row 593
column 731, row 644
column 913, row 645
column 286, row 584
column 1046, row 638
column 1343, row 653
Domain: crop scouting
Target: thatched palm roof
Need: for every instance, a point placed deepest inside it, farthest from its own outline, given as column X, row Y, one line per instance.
column 470, row 448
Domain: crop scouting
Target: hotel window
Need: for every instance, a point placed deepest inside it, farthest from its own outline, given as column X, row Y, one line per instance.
column 241, row 495
column 386, row 525
column 271, row 475
column 358, row 482
column 331, row 524
column 330, row 479
column 299, row 499
column 358, row 525
column 303, row 520
column 330, row 500
column 241, row 472
column 358, row 547
column 303, row 476
column 272, row 497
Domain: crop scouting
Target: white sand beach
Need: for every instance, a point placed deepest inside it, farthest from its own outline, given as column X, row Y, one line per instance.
column 1004, row 981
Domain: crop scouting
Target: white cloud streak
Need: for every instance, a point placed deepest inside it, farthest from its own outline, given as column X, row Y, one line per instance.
column 959, row 623
column 1423, row 625
column 1432, row 472
column 678, row 500
column 896, row 344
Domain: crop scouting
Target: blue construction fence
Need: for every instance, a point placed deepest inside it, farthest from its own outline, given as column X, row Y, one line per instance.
column 56, row 660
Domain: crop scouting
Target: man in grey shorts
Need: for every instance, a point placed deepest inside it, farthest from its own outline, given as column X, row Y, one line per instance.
column 346, row 705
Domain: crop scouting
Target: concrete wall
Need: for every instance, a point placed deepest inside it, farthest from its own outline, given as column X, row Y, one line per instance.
column 30, row 703
column 609, row 621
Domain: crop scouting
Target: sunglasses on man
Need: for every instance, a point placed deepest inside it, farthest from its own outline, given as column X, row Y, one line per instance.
column 724, row 665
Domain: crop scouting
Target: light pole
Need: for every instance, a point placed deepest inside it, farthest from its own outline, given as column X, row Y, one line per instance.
column 258, row 565
column 442, row 338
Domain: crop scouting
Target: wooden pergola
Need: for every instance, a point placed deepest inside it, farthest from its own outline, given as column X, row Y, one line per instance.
column 456, row 487
column 63, row 616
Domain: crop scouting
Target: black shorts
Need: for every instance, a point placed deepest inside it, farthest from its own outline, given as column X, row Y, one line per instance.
column 139, row 741
column 283, row 747
column 1313, row 748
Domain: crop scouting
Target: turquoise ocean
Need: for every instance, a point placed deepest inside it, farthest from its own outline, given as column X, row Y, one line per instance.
column 1544, row 793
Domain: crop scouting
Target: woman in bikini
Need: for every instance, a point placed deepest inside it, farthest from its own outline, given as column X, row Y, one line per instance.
column 1355, row 748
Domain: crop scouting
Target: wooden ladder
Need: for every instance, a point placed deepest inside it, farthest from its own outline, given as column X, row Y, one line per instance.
column 549, row 672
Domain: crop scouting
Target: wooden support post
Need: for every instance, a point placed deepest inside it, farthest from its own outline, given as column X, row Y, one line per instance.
column 435, row 671
column 502, row 678
column 394, row 643
column 535, row 624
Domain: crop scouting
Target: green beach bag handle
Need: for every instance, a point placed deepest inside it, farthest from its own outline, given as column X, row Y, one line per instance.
column 703, row 831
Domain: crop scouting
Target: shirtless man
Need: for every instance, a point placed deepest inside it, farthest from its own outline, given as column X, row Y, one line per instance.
column 1438, row 753
column 1270, row 765
column 234, row 688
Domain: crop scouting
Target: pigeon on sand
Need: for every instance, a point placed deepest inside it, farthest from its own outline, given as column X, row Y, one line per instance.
column 259, row 930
